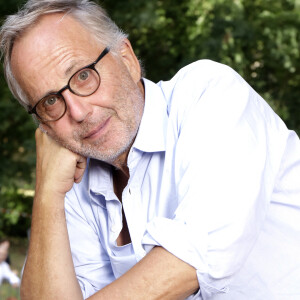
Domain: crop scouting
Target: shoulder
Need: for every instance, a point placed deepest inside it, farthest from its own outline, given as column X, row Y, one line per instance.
column 209, row 98
column 201, row 74
column 207, row 83
column 204, row 68
column 209, row 92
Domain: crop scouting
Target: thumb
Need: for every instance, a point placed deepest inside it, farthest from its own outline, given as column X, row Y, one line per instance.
column 80, row 168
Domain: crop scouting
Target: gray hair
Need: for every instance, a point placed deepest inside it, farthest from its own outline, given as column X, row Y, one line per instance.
column 89, row 14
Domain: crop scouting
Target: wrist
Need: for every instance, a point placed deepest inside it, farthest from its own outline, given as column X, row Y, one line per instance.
column 48, row 195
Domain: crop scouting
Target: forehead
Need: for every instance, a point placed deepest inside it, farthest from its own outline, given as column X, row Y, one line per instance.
column 49, row 35
column 51, row 47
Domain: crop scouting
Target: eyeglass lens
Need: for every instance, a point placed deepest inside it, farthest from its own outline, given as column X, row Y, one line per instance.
column 51, row 107
column 83, row 83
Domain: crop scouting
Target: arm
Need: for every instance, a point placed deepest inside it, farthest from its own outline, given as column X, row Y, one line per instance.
column 49, row 268
column 227, row 155
column 49, row 271
column 159, row 275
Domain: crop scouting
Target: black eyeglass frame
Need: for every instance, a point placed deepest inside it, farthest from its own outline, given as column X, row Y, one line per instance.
column 32, row 110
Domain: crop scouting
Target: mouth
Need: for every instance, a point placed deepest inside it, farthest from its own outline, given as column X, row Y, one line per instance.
column 96, row 132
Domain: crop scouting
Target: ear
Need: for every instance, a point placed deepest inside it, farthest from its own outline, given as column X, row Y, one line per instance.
column 130, row 60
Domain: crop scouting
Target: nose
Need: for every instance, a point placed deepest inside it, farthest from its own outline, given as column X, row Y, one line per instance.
column 78, row 107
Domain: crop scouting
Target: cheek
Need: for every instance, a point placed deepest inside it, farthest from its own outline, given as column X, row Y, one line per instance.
column 115, row 88
column 56, row 131
column 47, row 129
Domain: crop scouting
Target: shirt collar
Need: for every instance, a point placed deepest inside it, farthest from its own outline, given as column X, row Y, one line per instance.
column 100, row 178
column 151, row 136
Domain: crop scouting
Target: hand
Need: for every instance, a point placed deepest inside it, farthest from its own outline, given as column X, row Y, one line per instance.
column 57, row 168
column 49, row 270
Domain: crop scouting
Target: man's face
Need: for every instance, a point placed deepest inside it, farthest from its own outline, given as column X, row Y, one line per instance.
column 102, row 125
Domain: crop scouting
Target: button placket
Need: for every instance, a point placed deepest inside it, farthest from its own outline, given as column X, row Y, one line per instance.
column 114, row 221
column 134, row 219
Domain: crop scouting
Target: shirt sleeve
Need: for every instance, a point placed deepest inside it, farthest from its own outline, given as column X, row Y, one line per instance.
column 225, row 162
column 91, row 263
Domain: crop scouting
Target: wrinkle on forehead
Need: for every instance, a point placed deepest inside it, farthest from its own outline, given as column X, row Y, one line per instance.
column 53, row 48
column 63, row 60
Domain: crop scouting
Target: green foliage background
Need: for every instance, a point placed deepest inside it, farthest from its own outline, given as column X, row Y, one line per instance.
column 260, row 39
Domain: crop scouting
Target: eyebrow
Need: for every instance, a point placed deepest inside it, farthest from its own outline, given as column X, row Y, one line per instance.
column 75, row 65
column 70, row 69
column 46, row 94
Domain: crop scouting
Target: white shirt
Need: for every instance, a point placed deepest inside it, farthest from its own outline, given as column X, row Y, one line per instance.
column 7, row 274
column 214, row 179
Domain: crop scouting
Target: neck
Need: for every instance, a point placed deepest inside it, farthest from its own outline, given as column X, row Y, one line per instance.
column 120, row 179
column 120, row 163
column 122, row 171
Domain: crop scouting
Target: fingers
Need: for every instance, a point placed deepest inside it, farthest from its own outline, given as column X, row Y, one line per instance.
column 80, row 167
column 57, row 167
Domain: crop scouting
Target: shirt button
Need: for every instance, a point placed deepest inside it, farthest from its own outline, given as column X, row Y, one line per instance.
column 113, row 228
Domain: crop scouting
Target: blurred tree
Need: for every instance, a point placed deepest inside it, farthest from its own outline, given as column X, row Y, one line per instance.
column 17, row 130
column 17, row 154
column 17, row 142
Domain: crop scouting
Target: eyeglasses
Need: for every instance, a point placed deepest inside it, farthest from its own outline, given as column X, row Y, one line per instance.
column 83, row 83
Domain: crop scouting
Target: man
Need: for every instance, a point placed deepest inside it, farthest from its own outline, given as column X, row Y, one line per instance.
column 188, row 189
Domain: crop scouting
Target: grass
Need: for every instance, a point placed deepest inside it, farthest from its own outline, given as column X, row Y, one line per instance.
column 7, row 292
column 17, row 255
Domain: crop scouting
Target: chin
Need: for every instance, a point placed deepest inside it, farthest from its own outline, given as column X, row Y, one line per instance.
column 107, row 152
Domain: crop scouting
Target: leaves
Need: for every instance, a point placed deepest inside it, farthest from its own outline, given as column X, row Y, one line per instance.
column 17, row 146
column 15, row 212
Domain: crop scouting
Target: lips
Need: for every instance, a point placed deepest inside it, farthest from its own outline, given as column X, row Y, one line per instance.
column 98, row 130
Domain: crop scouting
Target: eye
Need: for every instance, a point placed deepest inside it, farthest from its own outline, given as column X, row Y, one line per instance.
column 83, row 75
column 50, row 101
